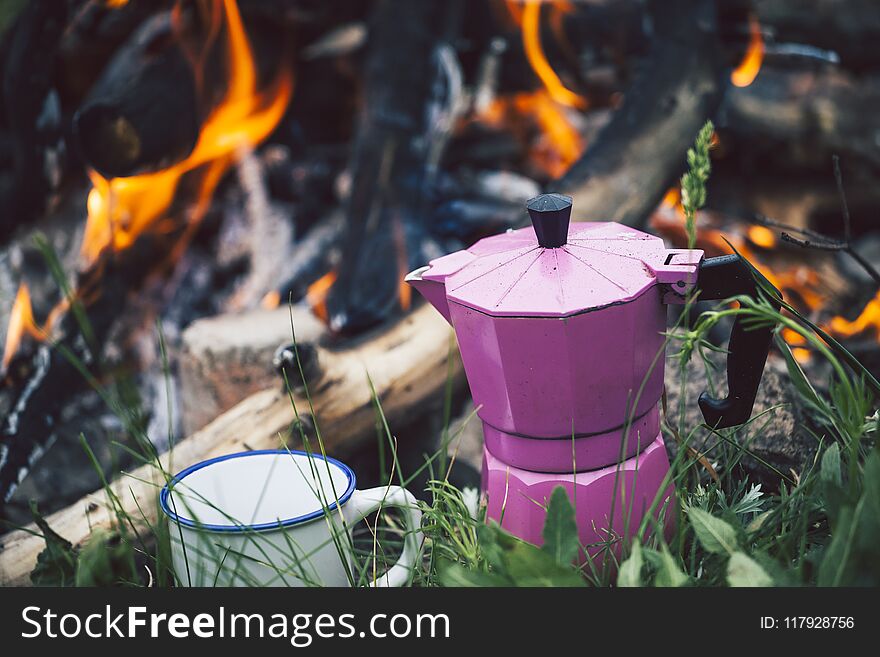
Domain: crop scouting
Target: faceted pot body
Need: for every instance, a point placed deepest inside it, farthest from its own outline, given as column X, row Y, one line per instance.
column 568, row 377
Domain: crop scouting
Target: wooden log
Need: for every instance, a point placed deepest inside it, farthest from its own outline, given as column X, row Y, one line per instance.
column 389, row 166
column 92, row 35
column 407, row 363
column 226, row 358
column 144, row 112
column 797, row 118
column 624, row 173
column 849, row 28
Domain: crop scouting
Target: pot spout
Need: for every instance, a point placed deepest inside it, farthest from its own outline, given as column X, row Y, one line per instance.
column 433, row 291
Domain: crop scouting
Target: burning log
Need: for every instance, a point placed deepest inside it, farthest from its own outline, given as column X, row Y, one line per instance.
column 849, row 29
column 144, row 112
column 625, row 172
column 393, row 151
column 407, row 363
column 37, row 384
column 803, row 116
column 94, row 32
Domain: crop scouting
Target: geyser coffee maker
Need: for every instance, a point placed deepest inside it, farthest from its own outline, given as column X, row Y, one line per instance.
column 561, row 332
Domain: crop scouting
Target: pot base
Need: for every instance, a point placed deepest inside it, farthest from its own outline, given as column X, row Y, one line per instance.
column 517, row 498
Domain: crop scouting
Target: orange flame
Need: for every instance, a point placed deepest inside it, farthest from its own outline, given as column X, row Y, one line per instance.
column 797, row 342
column 560, row 144
column 747, row 70
column 121, row 209
column 529, row 18
column 272, row 300
column 869, row 319
column 762, row 236
column 799, row 283
column 672, row 200
column 22, row 322
column 316, row 295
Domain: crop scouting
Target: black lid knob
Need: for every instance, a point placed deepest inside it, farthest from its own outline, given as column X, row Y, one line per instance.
column 551, row 214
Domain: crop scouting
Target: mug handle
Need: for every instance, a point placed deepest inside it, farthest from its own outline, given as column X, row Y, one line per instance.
column 364, row 502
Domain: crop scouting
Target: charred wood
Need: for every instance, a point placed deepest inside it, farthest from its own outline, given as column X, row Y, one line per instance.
column 624, row 173
column 40, row 382
column 848, row 28
column 391, row 163
column 313, row 256
column 799, row 117
column 144, row 113
column 94, row 32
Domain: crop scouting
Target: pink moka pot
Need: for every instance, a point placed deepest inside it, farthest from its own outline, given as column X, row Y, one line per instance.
column 561, row 331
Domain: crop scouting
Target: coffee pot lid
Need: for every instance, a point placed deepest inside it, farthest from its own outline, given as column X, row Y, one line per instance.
column 555, row 269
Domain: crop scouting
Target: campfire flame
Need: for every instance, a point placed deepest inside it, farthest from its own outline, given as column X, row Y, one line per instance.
column 272, row 300
column 548, row 109
column 559, row 145
column 121, row 209
column 529, row 18
column 747, row 70
column 22, row 322
column 316, row 295
column 868, row 319
column 762, row 236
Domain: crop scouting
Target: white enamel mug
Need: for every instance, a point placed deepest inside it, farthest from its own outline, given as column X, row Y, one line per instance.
column 277, row 518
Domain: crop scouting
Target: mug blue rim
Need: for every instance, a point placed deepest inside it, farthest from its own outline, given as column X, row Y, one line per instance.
column 278, row 524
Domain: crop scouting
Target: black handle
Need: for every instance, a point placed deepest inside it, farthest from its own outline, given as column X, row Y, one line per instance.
column 719, row 278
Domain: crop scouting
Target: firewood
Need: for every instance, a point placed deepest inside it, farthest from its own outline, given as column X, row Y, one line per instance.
column 144, row 112
column 391, row 161
column 803, row 116
column 226, row 358
column 406, row 362
column 849, row 28
column 624, row 173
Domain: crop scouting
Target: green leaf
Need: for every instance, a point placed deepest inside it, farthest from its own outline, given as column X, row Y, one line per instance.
column 455, row 575
column 560, row 529
column 631, row 570
column 836, row 566
column 104, row 560
column 529, row 565
column 668, row 572
column 56, row 564
column 742, row 570
column 871, row 481
column 830, row 467
column 714, row 534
